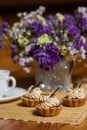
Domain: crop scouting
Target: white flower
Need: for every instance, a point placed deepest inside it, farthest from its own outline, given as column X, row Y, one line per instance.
column 83, row 56
column 29, row 59
column 40, row 10
column 26, row 69
column 22, row 61
column 83, row 52
column 28, row 48
column 82, row 9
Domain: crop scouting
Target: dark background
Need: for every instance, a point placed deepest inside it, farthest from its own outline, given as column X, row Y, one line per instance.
column 11, row 7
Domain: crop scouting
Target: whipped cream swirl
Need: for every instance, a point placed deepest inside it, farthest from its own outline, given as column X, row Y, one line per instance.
column 33, row 93
column 75, row 93
column 44, row 97
column 51, row 102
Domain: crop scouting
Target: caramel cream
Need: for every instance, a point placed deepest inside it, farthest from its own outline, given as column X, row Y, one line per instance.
column 50, row 102
column 76, row 93
column 44, row 98
column 33, row 93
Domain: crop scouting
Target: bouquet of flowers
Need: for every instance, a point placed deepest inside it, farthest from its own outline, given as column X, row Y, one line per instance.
column 46, row 39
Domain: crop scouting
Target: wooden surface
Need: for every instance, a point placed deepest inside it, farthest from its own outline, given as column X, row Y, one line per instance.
column 24, row 125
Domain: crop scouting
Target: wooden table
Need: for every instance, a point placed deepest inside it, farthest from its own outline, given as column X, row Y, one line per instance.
column 24, row 125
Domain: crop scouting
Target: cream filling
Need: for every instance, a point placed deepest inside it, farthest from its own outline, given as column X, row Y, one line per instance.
column 51, row 102
column 76, row 93
column 44, row 98
column 33, row 93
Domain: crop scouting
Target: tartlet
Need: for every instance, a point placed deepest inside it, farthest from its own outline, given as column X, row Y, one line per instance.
column 31, row 98
column 49, row 106
column 75, row 97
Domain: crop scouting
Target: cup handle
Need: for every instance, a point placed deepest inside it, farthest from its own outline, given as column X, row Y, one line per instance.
column 11, row 78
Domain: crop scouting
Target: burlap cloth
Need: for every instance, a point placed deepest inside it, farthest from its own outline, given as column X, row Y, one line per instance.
column 68, row 115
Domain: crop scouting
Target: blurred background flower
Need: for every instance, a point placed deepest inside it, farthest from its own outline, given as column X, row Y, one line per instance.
column 3, row 30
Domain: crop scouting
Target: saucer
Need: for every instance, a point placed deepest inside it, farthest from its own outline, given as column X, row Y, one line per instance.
column 13, row 94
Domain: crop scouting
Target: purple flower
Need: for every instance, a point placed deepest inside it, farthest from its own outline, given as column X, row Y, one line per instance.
column 72, row 29
column 15, row 59
column 14, row 49
column 49, row 30
column 3, row 30
column 47, row 56
column 14, row 53
column 84, row 24
column 49, row 17
column 33, row 40
column 53, row 52
column 37, row 29
column 62, row 38
column 51, row 20
column 3, row 27
column 69, row 18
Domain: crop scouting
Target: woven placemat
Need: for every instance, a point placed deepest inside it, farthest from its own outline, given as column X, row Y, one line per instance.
column 68, row 115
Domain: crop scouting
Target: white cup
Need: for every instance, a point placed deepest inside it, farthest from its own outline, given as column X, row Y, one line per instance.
column 5, row 78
